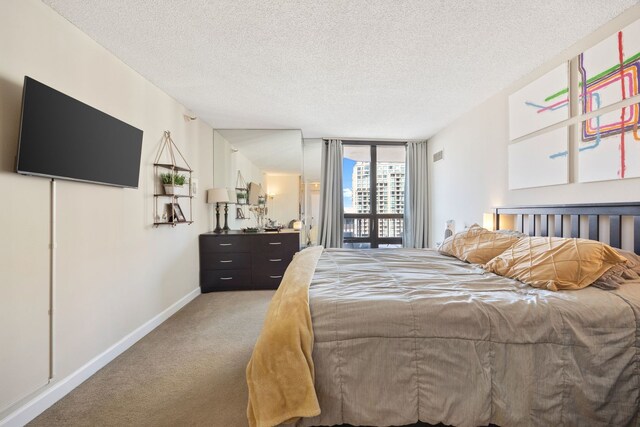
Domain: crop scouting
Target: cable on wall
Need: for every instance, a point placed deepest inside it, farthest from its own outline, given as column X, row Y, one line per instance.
column 52, row 279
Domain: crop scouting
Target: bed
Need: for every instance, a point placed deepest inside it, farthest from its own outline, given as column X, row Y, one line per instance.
column 401, row 336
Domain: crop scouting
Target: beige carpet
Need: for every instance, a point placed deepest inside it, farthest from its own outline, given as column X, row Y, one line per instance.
column 187, row 372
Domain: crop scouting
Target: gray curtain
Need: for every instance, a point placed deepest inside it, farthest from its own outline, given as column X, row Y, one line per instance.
column 331, row 202
column 415, row 197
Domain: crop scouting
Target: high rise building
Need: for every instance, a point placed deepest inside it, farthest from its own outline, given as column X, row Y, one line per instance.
column 390, row 197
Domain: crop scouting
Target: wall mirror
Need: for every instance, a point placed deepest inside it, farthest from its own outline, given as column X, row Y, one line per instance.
column 312, row 159
column 268, row 162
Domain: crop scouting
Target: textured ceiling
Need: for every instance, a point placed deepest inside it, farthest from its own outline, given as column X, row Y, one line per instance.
column 375, row 69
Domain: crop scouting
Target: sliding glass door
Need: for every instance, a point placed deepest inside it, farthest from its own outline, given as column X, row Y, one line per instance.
column 373, row 219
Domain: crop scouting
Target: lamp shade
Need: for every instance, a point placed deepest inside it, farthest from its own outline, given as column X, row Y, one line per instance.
column 487, row 221
column 254, row 192
column 232, row 195
column 217, row 195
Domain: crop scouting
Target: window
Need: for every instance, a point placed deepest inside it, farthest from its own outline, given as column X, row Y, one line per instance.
column 373, row 219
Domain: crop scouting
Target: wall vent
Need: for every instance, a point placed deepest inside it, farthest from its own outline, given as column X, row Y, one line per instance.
column 438, row 156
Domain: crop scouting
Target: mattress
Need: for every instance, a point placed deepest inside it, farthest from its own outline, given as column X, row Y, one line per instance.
column 411, row 335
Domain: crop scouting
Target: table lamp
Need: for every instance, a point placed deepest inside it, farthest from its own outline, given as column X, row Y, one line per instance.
column 233, row 199
column 217, row 196
column 488, row 221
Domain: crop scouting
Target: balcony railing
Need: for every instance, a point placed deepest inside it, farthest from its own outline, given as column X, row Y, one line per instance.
column 367, row 230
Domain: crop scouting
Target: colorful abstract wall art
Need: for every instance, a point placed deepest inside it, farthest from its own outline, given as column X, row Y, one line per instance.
column 609, row 146
column 538, row 104
column 608, row 72
column 540, row 161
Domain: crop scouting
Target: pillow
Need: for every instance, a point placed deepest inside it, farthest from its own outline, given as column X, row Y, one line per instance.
column 555, row 263
column 620, row 273
column 476, row 244
column 514, row 233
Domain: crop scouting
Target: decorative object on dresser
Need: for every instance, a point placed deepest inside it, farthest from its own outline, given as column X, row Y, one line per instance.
column 169, row 179
column 243, row 261
column 259, row 211
column 217, row 196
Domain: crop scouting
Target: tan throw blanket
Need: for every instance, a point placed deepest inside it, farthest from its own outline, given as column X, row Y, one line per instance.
column 280, row 373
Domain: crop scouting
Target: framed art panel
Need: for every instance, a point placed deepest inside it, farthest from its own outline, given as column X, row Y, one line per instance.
column 608, row 72
column 609, row 146
column 540, row 161
column 540, row 104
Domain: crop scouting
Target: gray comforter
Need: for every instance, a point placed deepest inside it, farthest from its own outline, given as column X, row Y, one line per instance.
column 406, row 335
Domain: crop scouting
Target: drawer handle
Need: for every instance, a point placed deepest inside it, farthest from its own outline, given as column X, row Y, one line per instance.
column 225, row 244
column 275, row 243
column 275, row 260
column 226, row 278
column 275, row 277
column 226, row 260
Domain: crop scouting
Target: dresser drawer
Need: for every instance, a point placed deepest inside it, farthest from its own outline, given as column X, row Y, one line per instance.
column 263, row 279
column 225, row 260
column 279, row 259
column 222, row 280
column 211, row 243
column 279, row 242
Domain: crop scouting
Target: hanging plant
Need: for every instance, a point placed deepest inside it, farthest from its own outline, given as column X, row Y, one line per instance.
column 242, row 192
column 173, row 178
column 173, row 183
column 242, row 195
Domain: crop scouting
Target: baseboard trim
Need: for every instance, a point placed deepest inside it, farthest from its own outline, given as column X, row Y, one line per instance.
column 56, row 390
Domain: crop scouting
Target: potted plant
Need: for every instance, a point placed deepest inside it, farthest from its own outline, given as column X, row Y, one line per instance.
column 242, row 196
column 173, row 183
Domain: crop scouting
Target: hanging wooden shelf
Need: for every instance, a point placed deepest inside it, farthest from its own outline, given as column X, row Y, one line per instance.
column 173, row 167
column 170, row 213
column 173, row 224
column 242, row 197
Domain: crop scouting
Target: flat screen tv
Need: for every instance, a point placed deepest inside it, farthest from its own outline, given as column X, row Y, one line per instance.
column 61, row 137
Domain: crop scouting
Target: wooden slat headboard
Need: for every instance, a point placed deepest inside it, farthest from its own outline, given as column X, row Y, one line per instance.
column 537, row 219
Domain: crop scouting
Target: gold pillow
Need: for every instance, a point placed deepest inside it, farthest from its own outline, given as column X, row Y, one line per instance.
column 555, row 263
column 477, row 245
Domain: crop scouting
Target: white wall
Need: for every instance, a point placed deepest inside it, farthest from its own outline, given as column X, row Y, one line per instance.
column 226, row 164
column 114, row 271
column 472, row 178
column 312, row 159
column 284, row 206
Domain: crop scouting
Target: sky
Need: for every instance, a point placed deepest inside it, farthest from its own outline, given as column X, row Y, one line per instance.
column 347, row 189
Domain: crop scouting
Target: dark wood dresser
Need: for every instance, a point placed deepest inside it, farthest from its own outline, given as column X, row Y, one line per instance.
column 241, row 261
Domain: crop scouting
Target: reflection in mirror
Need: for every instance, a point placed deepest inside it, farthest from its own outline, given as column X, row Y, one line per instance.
column 269, row 163
column 312, row 155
